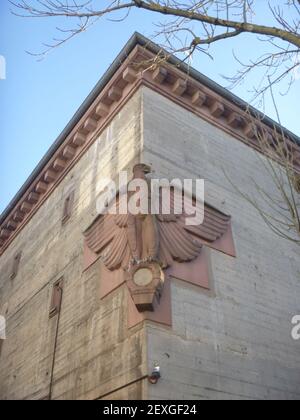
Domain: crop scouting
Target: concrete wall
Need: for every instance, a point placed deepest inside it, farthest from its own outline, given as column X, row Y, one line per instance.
column 87, row 351
column 234, row 343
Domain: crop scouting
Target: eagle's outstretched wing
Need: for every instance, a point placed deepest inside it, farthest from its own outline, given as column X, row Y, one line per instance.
column 108, row 237
column 182, row 242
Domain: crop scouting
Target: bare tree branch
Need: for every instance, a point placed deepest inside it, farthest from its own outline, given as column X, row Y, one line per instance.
column 280, row 209
column 190, row 26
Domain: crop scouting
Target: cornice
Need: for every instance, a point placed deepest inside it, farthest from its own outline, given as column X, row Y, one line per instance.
column 167, row 80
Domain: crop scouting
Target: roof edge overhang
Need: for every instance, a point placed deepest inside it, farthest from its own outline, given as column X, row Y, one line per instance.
column 133, row 41
column 136, row 41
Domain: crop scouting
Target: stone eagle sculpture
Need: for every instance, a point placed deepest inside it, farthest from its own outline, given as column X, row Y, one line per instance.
column 122, row 240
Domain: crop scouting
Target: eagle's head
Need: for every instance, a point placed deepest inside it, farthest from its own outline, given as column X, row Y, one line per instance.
column 140, row 170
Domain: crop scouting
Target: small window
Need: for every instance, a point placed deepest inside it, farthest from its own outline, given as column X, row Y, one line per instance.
column 68, row 207
column 56, row 298
column 15, row 266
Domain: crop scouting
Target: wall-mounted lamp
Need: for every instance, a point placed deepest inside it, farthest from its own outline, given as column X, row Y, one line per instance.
column 155, row 375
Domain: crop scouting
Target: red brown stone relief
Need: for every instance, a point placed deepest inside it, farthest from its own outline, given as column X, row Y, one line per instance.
column 146, row 250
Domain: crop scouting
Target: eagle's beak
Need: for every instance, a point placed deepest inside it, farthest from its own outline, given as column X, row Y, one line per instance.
column 147, row 169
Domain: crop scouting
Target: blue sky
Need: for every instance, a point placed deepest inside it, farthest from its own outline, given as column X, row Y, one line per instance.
column 38, row 98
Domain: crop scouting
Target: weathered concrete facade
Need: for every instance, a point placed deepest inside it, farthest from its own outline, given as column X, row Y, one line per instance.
column 87, row 351
column 233, row 341
column 236, row 342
